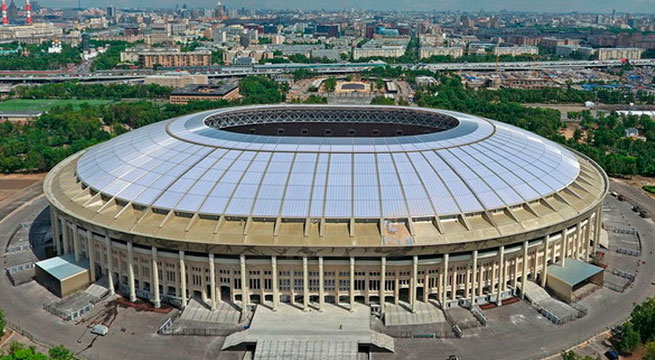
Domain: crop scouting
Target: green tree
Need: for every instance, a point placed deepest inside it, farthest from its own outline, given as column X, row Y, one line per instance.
column 630, row 339
column 330, row 84
column 381, row 100
column 61, row 353
column 643, row 320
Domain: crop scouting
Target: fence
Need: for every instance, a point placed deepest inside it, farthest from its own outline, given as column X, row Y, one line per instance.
column 479, row 315
column 17, row 248
column 67, row 315
column 21, row 267
column 628, row 252
column 624, row 274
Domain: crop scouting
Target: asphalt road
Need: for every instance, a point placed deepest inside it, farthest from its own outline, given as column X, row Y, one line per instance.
column 529, row 341
column 536, row 341
column 22, row 305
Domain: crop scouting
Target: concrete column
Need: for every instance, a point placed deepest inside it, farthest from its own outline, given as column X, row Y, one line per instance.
column 383, row 281
column 65, row 232
column 524, row 272
column 480, row 281
column 544, row 270
column 321, row 284
column 212, row 281
column 275, row 283
column 245, row 296
column 183, row 279
column 515, row 277
column 305, row 285
column 352, row 284
column 426, row 287
column 396, row 289
column 445, row 281
column 587, row 238
column 467, row 284
column 110, row 266
column 413, row 283
column 130, row 271
column 501, row 273
column 440, row 286
column 565, row 247
column 453, row 285
column 155, row 278
column 91, row 253
column 54, row 224
column 76, row 242
column 597, row 228
column 475, row 276
column 578, row 242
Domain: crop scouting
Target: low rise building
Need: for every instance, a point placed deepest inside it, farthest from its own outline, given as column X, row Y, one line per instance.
column 516, row 50
column 429, row 51
column 174, row 58
column 618, row 53
column 384, row 48
column 383, row 51
column 189, row 93
column 177, row 80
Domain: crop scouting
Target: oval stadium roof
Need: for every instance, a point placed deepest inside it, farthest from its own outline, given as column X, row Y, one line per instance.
column 193, row 165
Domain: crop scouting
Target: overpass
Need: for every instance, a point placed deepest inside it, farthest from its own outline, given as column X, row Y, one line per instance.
column 342, row 68
column 528, row 65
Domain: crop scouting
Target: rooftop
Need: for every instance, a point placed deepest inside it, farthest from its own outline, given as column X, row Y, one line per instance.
column 199, row 89
column 574, row 271
column 64, row 266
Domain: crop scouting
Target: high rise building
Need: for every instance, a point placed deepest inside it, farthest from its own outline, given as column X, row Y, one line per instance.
column 12, row 12
column 111, row 12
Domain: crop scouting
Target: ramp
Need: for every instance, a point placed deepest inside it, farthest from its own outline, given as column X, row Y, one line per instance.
column 290, row 333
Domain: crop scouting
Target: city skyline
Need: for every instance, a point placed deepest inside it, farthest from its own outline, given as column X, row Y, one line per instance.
column 632, row 6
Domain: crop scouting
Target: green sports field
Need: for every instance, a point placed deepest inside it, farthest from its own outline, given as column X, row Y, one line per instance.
column 44, row 104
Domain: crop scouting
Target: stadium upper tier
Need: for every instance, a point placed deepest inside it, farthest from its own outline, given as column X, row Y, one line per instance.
column 451, row 164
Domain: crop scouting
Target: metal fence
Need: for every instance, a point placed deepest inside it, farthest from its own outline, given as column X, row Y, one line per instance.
column 479, row 315
column 624, row 274
column 628, row 252
column 21, row 267
column 67, row 315
column 18, row 248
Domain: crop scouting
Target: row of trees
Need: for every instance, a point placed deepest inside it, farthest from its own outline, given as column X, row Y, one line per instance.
column 18, row 351
column 605, row 143
column 62, row 131
column 639, row 330
column 75, row 90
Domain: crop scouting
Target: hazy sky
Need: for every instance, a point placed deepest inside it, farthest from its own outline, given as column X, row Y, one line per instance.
column 634, row 6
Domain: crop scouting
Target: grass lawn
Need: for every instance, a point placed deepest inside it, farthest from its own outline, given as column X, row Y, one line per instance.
column 649, row 188
column 45, row 104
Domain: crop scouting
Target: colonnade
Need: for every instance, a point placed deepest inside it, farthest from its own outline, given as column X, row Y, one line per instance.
column 478, row 276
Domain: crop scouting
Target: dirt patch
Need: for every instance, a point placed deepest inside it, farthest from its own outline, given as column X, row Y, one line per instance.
column 12, row 183
column 638, row 182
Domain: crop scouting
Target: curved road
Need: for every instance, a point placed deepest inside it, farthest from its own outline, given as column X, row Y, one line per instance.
column 529, row 342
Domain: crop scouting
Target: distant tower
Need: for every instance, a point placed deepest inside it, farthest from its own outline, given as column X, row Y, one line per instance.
column 28, row 12
column 5, row 21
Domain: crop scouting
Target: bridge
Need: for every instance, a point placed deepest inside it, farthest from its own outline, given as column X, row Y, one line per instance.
column 341, row 68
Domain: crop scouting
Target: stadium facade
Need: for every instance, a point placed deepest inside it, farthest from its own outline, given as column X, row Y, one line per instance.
column 316, row 203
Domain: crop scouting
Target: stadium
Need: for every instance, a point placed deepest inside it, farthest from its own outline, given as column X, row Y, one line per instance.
column 316, row 204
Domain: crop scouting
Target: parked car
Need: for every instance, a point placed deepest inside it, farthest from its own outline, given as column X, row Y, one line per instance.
column 612, row 355
column 100, row 329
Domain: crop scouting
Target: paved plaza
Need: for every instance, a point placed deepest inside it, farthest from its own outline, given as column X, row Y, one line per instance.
column 200, row 312
column 289, row 334
column 425, row 313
